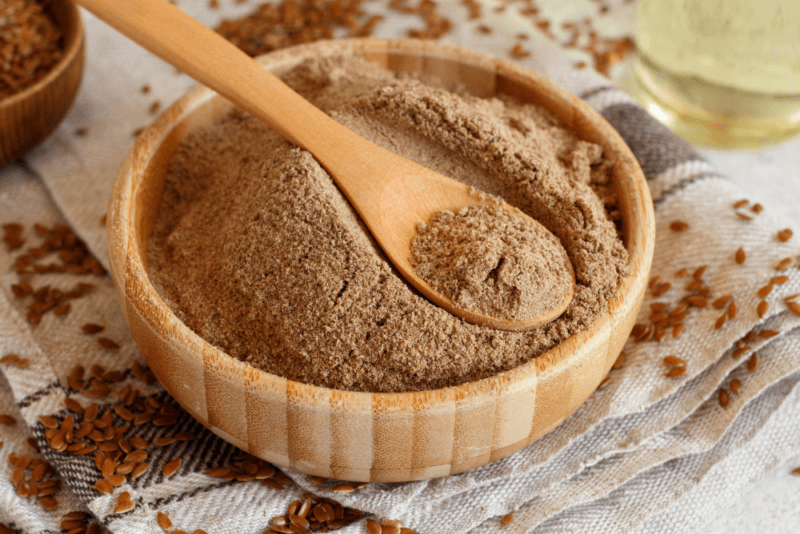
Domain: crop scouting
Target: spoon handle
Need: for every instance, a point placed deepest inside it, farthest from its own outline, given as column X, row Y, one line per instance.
column 212, row 60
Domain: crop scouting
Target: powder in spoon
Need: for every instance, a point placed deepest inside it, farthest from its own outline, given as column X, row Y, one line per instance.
column 258, row 252
column 488, row 260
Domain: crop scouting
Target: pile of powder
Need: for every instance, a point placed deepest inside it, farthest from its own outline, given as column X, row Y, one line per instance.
column 257, row 251
column 488, row 260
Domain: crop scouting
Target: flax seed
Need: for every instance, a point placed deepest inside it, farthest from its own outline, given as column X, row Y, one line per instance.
column 138, row 471
column 724, row 398
column 785, row 235
column 675, row 372
column 171, row 467
column 783, row 264
column 740, row 256
column 794, row 307
column 752, row 363
column 124, row 507
column 164, row 521
column 678, row 226
column 660, row 289
column 103, row 487
column 721, row 302
column 764, row 291
column 673, row 361
column 108, row 344
column 619, row 362
column 735, row 386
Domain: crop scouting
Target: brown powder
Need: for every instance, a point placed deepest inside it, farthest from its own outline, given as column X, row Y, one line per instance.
column 258, row 252
column 488, row 260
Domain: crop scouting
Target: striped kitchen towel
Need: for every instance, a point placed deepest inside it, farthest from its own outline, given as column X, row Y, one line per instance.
column 91, row 438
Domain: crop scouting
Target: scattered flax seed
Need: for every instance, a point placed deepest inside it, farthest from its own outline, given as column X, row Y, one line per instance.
column 145, row 89
column 124, row 503
column 653, row 281
column 62, row 310
column 741, row 256
column 9, row 358
column 92, row 329
column 507, row 519
column 732, row 310
column 757, row 208
column 796, row 471
column 785, row 235
column 171, row 467
column 154, row 107
column 660, row 289
column 720, row 321
column 724, row 398
column 103, row 487
column 675, row 372
column 518, row 52
column 744, row 216
column 764, row 291
column 373, row 527
column 783, row 264
column 107, row 343
column 752, row 363
column 343, row 488
column 678, row 329
column 766, row 334
column 741, row 203
column 604, row 383
column 7, row 420
column 678, row 226
column 699, row 272
column 620, row 361
column 672, row 361
column 721, row 302
column 762, row 308
column 735, row 386
column 778, row 280
column 485, row 30
column 794, row 307
column 164, row 521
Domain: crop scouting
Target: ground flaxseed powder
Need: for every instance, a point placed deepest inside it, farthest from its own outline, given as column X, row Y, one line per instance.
column 258, row 252
column 489, row 260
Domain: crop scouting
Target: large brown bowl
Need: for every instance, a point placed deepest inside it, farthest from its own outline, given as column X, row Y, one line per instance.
column 28, row 117
column 373, row 436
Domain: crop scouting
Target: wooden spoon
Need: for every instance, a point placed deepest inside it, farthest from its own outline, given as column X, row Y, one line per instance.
column 391, row 194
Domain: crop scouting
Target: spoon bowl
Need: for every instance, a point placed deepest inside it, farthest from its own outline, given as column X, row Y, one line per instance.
column 391, row 194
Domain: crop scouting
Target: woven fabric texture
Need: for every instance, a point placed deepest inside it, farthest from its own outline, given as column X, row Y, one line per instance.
column 646, row 453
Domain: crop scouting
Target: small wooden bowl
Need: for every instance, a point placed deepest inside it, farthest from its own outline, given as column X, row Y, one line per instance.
column 27, row 118
column 386, row 437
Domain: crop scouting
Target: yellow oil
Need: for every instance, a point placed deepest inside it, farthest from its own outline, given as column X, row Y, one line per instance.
column 721, row 72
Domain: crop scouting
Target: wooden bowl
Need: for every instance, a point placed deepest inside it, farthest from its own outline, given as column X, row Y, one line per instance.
column 387, row 437
column 28, row 117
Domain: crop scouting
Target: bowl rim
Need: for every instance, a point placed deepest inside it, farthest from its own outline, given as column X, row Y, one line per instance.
column 150, row 306
column 73, row 43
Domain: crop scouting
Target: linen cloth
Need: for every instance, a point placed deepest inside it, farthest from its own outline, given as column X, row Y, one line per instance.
column 644, row 454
